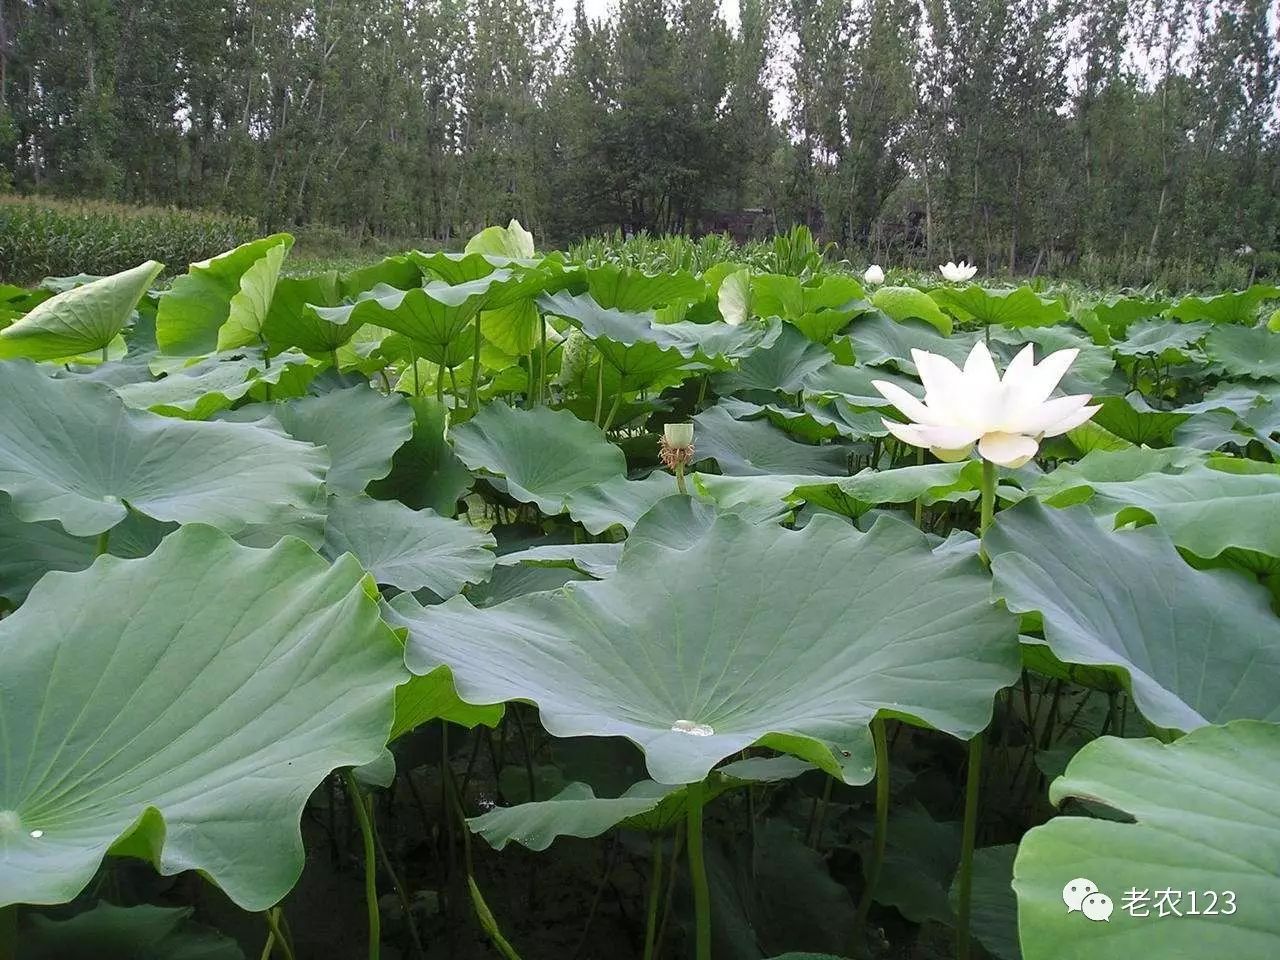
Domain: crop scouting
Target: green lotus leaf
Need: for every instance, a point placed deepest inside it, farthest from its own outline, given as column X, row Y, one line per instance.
column 454, row 268
column 1165, row 339
column 994, row 907
column 225, row 474
column 80, row 320
column 215, row 687
column 292, row 320
column 623, row 288
column 877, row 340
column 695, row 654
column 1199, row 814
column 785, row 365
column 853, row 384
column 433, row 697
column 425, row 472
column 1016, row 307
column 1132, row 418
column 204, row 388
column 618, row 501
column 543, row 454
column 751, row 447
column 143, row 932
column 596, row 559
column 908, row 303
column 1235, row 306
column 1252, row 352
column 408, row 549
column 513, row 328
column 512, row 241
column 1203, row 510
column 790, row 298
column 252, row 304
column 819, row 420
column 1116, row 313
column 361, row 428
column 214, row 292
column 1193, row 646
column 434, row 317
column 574, row 812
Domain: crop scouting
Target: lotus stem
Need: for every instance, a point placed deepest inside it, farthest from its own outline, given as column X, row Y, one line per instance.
column 881, row 741
column 599, row 391
column 413, row 358
column 964, row 893
column 104, row 538
column 655, row 894
column 275, row 935
column 542, row 357
column 613, row 410
column 333, row 358
column 474, row 386
column 988, row 505
column 698, row 874
column 440, row 385
column 680, row 479
column 370, row 863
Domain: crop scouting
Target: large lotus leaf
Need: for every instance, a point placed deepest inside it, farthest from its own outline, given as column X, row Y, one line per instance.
column 1235, row 306
column 853, row 384
column 623, row 288
column 1135, row 420
column 574, row 812
column 908, row 303
column 1016, row 307
column 734, row 297
column 877, row 340
column 1166, row 339
column 434, row 317
column 107, row 456
column 455, row 268
column 361, row 428
column 1199, row 814
column 544, row 454
column 512, row 241
column 753, row 634
column 1194, row 646
column 1116, row 313
column 252, row 303
column 718, row 341
column 425, row 472
column 1203, row 510
column 214, row 686
column 408, row 549
column 199, row 391
column 293, row 322
column 618, row 501
column 752, row 447
column 1245, row 351
column 787, row 297
column 815, row 423
column 143, row 932
column 513, row 328
column 784, row 365
column 80, row 320
column 212, row 293
column 994, row 908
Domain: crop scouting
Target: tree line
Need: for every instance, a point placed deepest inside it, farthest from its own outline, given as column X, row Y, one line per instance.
column 1022, row 134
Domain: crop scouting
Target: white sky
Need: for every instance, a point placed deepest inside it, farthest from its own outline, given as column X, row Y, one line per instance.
column 597, row 9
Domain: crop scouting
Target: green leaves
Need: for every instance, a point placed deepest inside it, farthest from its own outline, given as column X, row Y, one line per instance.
column 108, row 459
column 908, row 303
column 749, row 634
column 215, row 686
column 544, row 455
column 1017, row 307
column 1201, row 817
column 1194, row 647
column 81, row 320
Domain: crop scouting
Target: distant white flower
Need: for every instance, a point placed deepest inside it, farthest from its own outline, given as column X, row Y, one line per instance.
column 957, row 272
column 1006, row 417
column 874, row 275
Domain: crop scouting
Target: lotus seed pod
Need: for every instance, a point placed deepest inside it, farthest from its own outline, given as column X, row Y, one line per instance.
column 678, row 434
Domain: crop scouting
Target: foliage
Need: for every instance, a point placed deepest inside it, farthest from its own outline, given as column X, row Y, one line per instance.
column 396, row 560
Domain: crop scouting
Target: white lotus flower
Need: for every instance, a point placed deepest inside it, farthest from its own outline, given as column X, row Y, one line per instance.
column 1006, row 417
column 874, row 275
column 957, row 272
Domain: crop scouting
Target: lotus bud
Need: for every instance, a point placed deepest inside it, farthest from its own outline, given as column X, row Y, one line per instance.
column 678, row 434
column 874, row 275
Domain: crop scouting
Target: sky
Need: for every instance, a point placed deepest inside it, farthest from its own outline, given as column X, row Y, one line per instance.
column 600, row 8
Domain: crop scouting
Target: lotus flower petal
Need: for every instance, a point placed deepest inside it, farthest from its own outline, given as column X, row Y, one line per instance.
column 1007, row 449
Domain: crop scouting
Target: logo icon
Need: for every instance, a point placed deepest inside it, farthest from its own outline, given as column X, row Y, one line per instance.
column 1097, row 906
column 1073, row 893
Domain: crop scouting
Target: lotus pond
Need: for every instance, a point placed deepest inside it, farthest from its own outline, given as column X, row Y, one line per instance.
column 496, row 604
